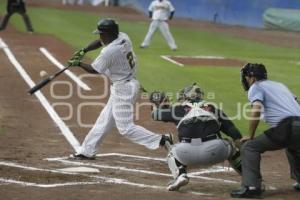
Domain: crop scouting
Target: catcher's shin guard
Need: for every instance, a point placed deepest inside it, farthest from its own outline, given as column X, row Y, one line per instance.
column 175, row 167
column 235, row 162
column 172, row 165
column 234, row 158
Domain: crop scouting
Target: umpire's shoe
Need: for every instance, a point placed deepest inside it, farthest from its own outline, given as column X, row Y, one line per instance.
column 77, row 156
column 247, row 192
column 180, row 181
column 296, row 186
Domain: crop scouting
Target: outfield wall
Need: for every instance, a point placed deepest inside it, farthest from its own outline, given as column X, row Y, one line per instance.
column 233, row 12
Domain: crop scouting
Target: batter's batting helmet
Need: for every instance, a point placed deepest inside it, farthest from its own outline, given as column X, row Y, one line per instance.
column 191, row 93
column 107, row 26
column 253, row 70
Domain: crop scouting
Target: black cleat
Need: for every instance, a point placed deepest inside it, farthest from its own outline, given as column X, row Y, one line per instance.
column 247, row 192
column 77, row 156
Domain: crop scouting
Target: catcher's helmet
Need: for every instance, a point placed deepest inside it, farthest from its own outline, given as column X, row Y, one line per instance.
column 191, row 93
column 253, row 70
column 108, row 26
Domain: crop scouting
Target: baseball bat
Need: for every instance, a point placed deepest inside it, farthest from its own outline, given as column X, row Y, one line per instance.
column 45, row 81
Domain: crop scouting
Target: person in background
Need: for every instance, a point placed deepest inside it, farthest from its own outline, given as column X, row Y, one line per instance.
column 160, row 11
column 16, row 6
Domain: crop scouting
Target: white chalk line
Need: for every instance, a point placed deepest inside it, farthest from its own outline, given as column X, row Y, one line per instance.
column 203, row 57
column 116, row 154
column 101, row 180
column 24, row 183
column 61, row 66
column 172, row 61
column 295, row 62
column 168, row 58
column 55, row 117
column 121, row 168
column 131, row 156
column 214, row 169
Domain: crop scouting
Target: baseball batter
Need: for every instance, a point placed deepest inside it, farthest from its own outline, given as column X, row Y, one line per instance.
column 118, row 62
column 199, row 124
column 160, row 11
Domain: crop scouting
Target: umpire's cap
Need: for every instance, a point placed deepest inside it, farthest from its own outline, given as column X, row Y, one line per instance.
column 108, row 26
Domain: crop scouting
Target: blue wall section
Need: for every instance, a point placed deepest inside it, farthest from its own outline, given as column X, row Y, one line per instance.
column 233, row 12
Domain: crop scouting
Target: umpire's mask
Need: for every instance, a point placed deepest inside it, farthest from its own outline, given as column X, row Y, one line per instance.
column 253, row 70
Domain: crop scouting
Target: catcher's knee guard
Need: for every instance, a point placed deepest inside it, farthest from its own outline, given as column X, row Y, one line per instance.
column 234, row 159
column 175, row 167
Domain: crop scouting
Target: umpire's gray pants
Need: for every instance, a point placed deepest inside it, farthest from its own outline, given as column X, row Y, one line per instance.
column 251, row 155
column 202, row 153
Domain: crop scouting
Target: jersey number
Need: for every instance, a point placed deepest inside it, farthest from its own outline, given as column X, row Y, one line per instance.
column 130, row 59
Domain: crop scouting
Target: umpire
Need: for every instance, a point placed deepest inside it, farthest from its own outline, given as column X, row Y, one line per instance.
column 16, row 6
column 281, row 111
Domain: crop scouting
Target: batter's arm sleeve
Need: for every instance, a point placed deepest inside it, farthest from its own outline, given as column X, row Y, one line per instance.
column 88, row 68
column 227, row 126
column 93, row 46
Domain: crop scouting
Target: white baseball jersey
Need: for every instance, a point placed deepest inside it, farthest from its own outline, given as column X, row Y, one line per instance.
column 117, row 60
column 161, row 9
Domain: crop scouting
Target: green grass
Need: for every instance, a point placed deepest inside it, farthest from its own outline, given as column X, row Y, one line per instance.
column 156, row 74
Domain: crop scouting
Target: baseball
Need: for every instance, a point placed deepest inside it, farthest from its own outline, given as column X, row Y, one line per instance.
column 43, row 73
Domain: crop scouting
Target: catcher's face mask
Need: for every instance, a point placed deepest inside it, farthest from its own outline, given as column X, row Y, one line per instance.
column 192, row 93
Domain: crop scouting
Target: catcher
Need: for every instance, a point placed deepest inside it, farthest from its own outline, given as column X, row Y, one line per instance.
column 199, row 124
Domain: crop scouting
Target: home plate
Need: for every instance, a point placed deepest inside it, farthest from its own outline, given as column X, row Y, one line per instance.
column 79, row 169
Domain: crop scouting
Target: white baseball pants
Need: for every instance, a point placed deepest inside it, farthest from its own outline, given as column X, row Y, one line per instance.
column 165, row 31
column 119, row 112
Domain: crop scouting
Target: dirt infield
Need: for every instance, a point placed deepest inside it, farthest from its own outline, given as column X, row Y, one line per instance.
column 28, row 136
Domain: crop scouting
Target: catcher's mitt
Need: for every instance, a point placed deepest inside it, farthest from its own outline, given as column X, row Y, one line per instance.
column 159, row 99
